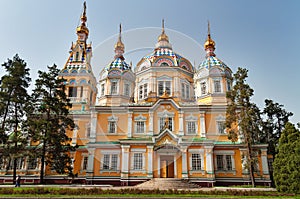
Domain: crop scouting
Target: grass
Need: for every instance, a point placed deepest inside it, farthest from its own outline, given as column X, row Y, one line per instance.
column 135, row 193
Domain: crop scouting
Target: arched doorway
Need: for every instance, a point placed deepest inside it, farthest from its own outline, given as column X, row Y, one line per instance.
column 167, row 156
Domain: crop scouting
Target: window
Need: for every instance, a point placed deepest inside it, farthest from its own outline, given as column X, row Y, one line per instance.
column 126, row 89
column 217, row 86
column 77, row 56
column 166, row 122
column 164, row 86
column 164, row 64
column 112, row 127
column 32, row 163
column 185, row 91
column 221, row 127
column 137, row 161
column 203, row 88
column 110, row 162
column 228, row 162
column 72, row 91
column 140, row 127
column 85, row 163
column 114, row 88
column 143, row 91
column 228, row 85
column 102, row 89
column 224, row 162
column 196, row 162
column 220, row 165
column 191, row 127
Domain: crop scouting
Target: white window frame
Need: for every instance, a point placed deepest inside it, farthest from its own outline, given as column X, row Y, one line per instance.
column 203, row 87
column 127, row 89
column 116, row 81
column 217, row 87
column 224, row 155
column 143, row 90
column 162, row 116
column 199, row 152
column 164, row 87
column 112, row 120
column 102, row 87
column 110, row 154
column 220, row 120
column 132, row 161
column 137, row 120
column 85, row 162
column 194, row 120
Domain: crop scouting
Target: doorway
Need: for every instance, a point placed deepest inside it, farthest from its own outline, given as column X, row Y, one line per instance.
column 167, row 166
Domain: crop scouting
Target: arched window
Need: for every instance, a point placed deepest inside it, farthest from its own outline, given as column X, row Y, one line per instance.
column 164, row 64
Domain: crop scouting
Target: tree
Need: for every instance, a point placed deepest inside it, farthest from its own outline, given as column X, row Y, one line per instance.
column 287, row 161
column 276, row 118
column 243, row 119
column 13, row 101
column 50, row 121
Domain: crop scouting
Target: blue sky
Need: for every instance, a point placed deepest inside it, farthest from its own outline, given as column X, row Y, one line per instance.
column 260, row 35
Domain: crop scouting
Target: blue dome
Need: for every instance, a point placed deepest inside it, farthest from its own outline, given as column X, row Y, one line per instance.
column 118, row 63
column 212, row 61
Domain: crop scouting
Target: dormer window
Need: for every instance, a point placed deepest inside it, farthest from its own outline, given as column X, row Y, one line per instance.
column 203, row 88
column 143, row 90
column 114, row 87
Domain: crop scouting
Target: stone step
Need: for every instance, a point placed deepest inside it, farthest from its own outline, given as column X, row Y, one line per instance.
column 167, row 183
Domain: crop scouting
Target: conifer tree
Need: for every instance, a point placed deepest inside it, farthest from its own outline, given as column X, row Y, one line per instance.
column 275, row 119
column 243, row 119
column 50, row 120
column 287, row 161
column 13, row 101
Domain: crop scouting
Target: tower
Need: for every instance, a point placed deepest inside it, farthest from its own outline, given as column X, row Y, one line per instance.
column 80, row 80
column 116, row 79
column 213, row 78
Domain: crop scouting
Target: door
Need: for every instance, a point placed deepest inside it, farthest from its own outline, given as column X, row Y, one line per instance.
column 167, row 166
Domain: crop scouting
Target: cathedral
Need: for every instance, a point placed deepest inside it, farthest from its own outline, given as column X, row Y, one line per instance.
column 161, row 118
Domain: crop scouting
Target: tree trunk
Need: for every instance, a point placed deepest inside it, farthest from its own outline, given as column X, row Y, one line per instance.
column 250, row 164
column 14, row 170
column 43, row 163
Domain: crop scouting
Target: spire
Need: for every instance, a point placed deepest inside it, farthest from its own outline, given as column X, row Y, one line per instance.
column 82, row 30
column 119, row 46
column 163, row 36
column 209, row 44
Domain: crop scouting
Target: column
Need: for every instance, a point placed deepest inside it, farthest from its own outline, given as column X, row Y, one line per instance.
column 184, row 162
column 125, row 161
column 175, row 166
column 93, row 126
column 209, row 161
column 150, row 161
column 150, row 123
column 75, row 133
column 243, row 153
column 202, row 124
column 264, row 162
column 90, row 166
column 181, row 124
column 129, row 125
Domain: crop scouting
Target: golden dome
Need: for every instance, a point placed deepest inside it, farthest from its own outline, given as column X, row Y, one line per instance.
column 209, row 42
column 163, row 36
column 82, row 28
column 119, row 45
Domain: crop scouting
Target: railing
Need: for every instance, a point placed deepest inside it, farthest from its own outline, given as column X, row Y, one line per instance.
column 81, row 100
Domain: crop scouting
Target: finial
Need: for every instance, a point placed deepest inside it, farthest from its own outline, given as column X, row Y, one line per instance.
column 119, row 46
column 163, row 36
column 82, row 28
column 209, row 44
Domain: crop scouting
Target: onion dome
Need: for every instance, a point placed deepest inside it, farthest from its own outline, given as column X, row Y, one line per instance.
column 211, row 59
column 119, row 60
column 163, row 55
column 82, row 29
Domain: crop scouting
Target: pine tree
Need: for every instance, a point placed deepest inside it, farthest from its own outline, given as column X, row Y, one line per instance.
column 13, row 101
column 275, row 119
column 243, row 119
column 287, row 161
column 50, row 121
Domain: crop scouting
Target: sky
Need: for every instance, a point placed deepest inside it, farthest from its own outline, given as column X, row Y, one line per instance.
column 260, row 35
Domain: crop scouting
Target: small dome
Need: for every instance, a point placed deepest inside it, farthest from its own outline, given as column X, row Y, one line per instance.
column 212, row 61
column 118, row 63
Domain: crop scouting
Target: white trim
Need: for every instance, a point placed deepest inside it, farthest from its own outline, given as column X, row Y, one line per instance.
column 138, row 150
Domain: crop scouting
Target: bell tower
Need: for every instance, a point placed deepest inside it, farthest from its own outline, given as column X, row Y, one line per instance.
column 81, row 83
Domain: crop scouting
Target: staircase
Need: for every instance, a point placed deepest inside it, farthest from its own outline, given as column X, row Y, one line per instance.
column 167, row 183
